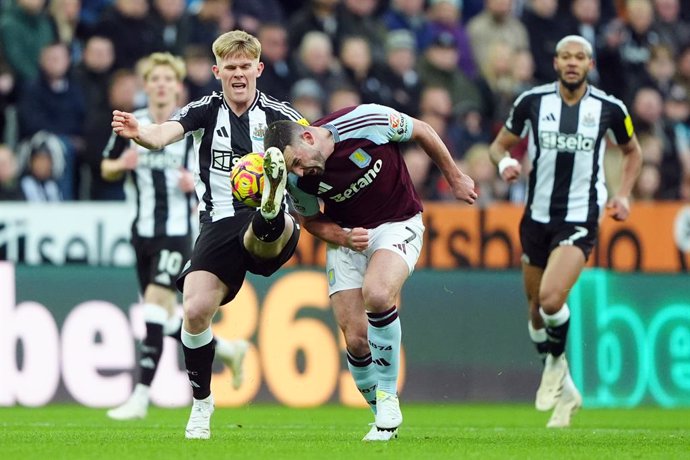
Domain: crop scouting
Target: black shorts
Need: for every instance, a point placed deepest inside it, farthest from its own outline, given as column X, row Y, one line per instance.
column 160, row 260
column 538, row 239
column 219, row 249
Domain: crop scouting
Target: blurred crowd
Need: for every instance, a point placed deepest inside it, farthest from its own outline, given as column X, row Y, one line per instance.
column 456, row 64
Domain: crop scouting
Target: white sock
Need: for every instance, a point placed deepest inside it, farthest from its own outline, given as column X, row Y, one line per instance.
column 385, row 336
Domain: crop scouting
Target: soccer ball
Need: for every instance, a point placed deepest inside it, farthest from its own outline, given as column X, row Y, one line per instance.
column 247, row 179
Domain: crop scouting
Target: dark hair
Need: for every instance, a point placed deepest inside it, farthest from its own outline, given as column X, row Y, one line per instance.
column 280, row 134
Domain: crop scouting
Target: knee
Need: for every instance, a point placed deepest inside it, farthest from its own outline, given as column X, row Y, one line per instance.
column 356, row 342
column 197, row 314
column 550, row 300
column 378, row 299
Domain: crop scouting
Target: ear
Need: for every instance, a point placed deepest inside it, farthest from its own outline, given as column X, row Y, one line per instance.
column 260, row 69
column 554, row 64
column 308, row 137
column 216, row 71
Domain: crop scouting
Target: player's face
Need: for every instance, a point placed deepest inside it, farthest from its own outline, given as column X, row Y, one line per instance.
column 162, row 86
column 572, row 64
column 237, row 75
column 304, row 159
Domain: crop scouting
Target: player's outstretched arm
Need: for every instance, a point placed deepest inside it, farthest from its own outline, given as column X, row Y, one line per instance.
column 619, row 206
column 325, row 229
column 153, row 136
column 508, row 167
column 461, row 184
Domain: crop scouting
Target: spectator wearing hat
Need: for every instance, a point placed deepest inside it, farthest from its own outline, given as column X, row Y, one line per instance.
column 445, row 16
column 39, row 183
column 400, row 73
column 409, row 15
column 308, row 98
column 438, row 67
column 496, row 23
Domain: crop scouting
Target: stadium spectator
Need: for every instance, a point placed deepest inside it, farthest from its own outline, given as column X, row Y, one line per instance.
column 544, row 29
column 683, row 68
column 162, row 240
column 660, row 69
column 200, row 81
column 317, row 61
column 409, row 15
column 211, row 18
column 498, row 85
column 314, row 16
column 341, row 97
column 8, row 94
column 400, row 73
column 673, row 31
column 64, row 15
column 361, row 72
column 496, row 23
column 279, row 72
column 359, row 17
column 9, row 174
column 94, row 71
column 130, row 26
column 173, row 24
column 565, row 201
column 251, row 15
column 234, row 238
column 445, row 16
column 25, row 29
column 308, row 98
column 438, row 67
column 374, row 240
column 43, row 166
column 677, row 120
column 647, row 185
column 54, row 102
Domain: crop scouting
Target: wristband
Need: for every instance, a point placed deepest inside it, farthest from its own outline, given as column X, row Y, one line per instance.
column 505, row 163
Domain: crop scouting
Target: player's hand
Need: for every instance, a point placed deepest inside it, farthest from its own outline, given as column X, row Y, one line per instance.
column 618, row 208
column 186, row 182
column 358, row 239
column 510, row 172
column 464, row 189
column 125, row 124
column 129, row 159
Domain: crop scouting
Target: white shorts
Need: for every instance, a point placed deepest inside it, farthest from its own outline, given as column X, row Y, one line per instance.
column 346, row 268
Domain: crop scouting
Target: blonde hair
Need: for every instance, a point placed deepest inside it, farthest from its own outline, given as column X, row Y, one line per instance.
column 158, row 59
column 236, row 42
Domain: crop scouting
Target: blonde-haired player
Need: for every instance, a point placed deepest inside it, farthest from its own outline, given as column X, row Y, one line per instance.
column 161, row 232
column 234, row 238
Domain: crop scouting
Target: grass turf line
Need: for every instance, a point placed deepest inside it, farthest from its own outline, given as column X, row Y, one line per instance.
column 334, row 432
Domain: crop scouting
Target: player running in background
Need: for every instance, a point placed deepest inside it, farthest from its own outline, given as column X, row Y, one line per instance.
column 567, row 122
column 372, row 220
column 233, row 238
column 161, row 231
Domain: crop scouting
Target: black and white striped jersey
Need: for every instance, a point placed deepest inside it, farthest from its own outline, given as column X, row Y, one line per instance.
column 220, row 139
column 566, row 147
column 162, row 208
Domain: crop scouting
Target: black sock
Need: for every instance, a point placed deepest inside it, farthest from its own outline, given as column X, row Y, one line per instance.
column 199, row 363
column 557, row 337
column 268, row 230
column 543, row 348
column 151, row 350
column 177, row 333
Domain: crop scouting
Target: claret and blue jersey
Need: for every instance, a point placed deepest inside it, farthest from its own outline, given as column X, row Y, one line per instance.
column 365, row 182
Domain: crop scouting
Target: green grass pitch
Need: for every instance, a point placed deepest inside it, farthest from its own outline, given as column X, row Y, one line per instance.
column 259, row 431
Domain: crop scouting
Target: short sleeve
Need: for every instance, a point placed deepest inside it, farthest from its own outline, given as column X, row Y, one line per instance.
column 193, row 115
column 116, row 145
column 518, row 116
column 621, row 123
